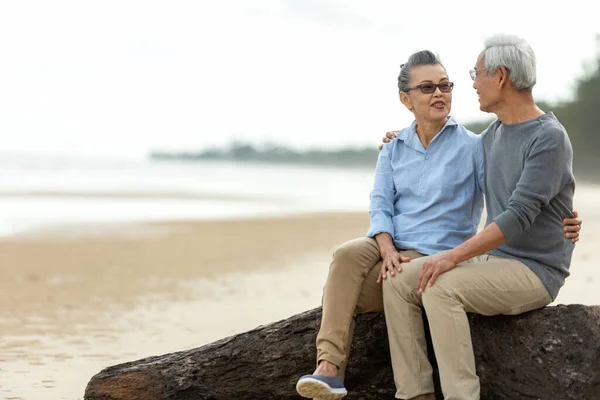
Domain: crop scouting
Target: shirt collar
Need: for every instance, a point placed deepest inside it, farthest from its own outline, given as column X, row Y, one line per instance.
column 404, row 134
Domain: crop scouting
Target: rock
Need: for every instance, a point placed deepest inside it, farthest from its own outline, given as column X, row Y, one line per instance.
column 552, row 353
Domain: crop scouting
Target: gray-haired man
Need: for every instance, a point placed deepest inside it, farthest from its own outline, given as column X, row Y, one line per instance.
column 518, row 262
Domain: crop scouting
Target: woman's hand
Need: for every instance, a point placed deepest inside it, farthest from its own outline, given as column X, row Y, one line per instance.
column 392, row 262
column 572, row 227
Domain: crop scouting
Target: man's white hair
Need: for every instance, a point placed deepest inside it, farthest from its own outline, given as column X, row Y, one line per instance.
column 513, row 53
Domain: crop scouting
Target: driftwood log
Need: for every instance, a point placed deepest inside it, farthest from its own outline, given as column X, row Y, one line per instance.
column 552, row 353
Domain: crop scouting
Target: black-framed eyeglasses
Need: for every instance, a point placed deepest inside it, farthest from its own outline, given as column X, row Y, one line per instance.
column 428, row 88
column 473, row 73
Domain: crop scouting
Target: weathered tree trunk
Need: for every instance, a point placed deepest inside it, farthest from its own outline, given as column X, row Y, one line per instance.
column 552, row 353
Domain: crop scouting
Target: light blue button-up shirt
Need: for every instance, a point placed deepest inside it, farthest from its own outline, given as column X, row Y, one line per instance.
column 431, row 199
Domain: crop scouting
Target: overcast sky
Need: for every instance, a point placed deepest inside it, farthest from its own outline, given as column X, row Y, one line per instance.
column 124, row 77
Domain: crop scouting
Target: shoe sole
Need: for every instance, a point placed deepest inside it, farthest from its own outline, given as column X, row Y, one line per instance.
column 315, row 389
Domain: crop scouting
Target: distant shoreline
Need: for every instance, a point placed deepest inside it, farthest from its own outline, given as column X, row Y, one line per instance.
column 361, row 157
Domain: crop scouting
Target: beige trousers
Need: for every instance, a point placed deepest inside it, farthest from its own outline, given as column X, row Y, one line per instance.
column 351, row 288
column 485, row 285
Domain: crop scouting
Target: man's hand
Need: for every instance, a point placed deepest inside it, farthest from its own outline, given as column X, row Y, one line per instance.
column 572, row 227
column 392, row 262
column 387, row 138
column 434, row 268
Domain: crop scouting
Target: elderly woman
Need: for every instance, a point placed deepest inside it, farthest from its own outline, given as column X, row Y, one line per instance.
column 427, row 198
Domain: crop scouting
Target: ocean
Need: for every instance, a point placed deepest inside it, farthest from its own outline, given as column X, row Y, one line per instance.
column 38, row 192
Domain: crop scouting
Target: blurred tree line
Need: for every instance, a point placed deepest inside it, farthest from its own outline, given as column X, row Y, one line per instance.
column 238, row 151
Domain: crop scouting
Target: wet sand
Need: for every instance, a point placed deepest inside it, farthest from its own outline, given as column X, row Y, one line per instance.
column 77, row 299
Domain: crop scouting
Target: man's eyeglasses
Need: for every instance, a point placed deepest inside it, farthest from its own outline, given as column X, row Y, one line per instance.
column 474, row 72
column 428, row 88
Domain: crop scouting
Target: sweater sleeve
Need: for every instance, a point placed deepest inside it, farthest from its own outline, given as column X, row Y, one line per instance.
column 546, row 171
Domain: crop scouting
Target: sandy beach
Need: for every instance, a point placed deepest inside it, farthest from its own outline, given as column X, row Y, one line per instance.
column 80, row 270
column 76, row 299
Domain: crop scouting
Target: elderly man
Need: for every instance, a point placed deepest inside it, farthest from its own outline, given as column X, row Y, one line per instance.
column 518, row 262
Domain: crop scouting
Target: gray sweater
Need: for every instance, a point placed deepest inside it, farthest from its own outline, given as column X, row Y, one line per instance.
column 529, row 187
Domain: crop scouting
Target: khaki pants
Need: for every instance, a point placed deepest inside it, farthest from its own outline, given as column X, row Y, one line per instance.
column 485, row 285
column 351, row 288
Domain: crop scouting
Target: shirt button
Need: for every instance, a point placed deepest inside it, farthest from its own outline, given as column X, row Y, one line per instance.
column 427, row 157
